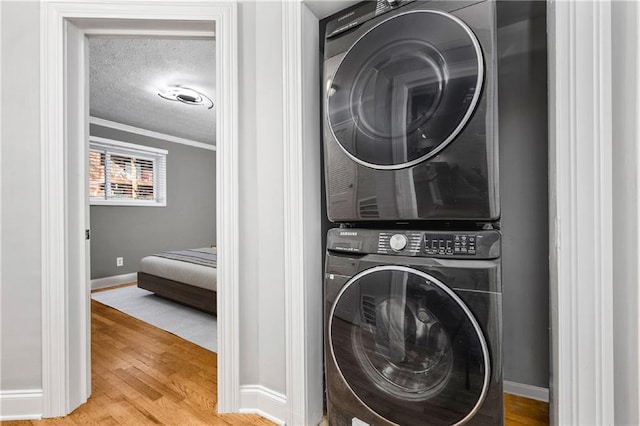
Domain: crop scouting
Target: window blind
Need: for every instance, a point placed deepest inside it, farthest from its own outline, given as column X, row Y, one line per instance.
column 121, row 173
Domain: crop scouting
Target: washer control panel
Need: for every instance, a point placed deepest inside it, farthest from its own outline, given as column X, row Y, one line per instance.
column 477, row 244
column 450, row 244
column 398, row 242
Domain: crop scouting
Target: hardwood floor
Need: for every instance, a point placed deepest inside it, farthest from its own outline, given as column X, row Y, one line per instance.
column 521, row 411
column 142, row 375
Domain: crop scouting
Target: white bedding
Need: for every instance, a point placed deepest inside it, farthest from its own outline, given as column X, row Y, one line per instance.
column 184, row 272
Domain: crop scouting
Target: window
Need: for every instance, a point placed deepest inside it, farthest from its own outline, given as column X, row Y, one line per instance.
column 125, row 174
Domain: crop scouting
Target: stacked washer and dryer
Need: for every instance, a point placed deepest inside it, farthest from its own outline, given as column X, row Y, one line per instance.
column 413, row 272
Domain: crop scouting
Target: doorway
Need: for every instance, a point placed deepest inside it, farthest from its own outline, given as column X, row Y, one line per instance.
column 152, row 168
column 65, row 127
column 152, row 181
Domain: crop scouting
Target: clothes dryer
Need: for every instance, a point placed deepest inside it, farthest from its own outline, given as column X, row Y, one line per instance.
column 413, row 327
column 410, row 123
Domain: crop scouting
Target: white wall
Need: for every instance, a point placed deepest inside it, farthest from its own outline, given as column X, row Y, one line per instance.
column 626, row 133
column 270, row 195
column 262, row 291
column 248, row 199
column 262, row 308
column 314, row 276
column 21, row 363
column 261, row 184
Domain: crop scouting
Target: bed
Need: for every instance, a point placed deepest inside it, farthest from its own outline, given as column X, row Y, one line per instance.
column 185, row 276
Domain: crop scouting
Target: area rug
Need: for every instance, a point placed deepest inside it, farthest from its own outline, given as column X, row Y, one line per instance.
column 190, row 324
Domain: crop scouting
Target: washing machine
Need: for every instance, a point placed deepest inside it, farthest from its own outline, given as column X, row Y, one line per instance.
column 413, row 327
column 410, row 112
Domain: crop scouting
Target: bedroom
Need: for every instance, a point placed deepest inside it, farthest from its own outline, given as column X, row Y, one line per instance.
column 157, row 157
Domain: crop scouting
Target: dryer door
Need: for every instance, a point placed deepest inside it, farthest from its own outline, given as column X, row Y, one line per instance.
column 409, row 348
column 405, row 89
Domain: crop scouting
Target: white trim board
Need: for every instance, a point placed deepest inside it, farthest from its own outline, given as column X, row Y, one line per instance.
column 113, row 280
column 65, row 356
column 154, row 33
column 136, row 148
column 580, row 181
column 256, row 399
column 302, row 221
column 21, row 404
column 1, row 178
column 149, row 133
column 294, row 254
column 527, row 391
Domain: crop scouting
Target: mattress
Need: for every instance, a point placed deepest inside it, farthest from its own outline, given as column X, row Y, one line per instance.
column 193, row 274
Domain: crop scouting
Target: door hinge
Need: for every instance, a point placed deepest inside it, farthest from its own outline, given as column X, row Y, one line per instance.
column 87, row 234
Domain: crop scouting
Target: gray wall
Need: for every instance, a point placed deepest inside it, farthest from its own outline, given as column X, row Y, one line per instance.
column 524, row 196
column 187, row 221
column 20, row 276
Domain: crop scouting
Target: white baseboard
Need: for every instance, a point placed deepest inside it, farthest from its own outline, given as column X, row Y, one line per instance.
column 115, row 280
column 256, row 399
column 528, row 391
column 21, row 404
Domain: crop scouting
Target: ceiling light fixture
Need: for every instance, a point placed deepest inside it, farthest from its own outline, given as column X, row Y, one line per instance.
column 186, row 96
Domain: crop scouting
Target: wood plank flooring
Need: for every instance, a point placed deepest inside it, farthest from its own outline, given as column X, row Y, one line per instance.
column 521, row 411
column 142, row 375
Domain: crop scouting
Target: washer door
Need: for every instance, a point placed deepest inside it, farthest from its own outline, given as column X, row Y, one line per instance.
column 409, row 348
column 405, row 89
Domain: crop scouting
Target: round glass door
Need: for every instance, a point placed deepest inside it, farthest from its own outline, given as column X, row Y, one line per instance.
column 408, row 347
column 405, row 89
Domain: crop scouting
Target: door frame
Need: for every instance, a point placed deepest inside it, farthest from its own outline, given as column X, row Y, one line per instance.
column 580, row 213
column 66, row 304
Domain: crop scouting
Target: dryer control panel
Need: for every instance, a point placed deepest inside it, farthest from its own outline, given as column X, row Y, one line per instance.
column 352, row 18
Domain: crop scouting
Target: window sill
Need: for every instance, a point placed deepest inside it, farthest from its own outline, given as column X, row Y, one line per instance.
column 127, row 203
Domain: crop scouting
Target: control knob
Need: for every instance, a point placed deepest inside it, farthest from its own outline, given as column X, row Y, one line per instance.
column 398, row 242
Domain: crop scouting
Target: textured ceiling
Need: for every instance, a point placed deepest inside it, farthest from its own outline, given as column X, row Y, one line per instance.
column 127, row 73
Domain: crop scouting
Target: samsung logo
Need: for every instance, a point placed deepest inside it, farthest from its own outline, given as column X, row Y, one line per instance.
column 348, row 234
column 346, row 16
